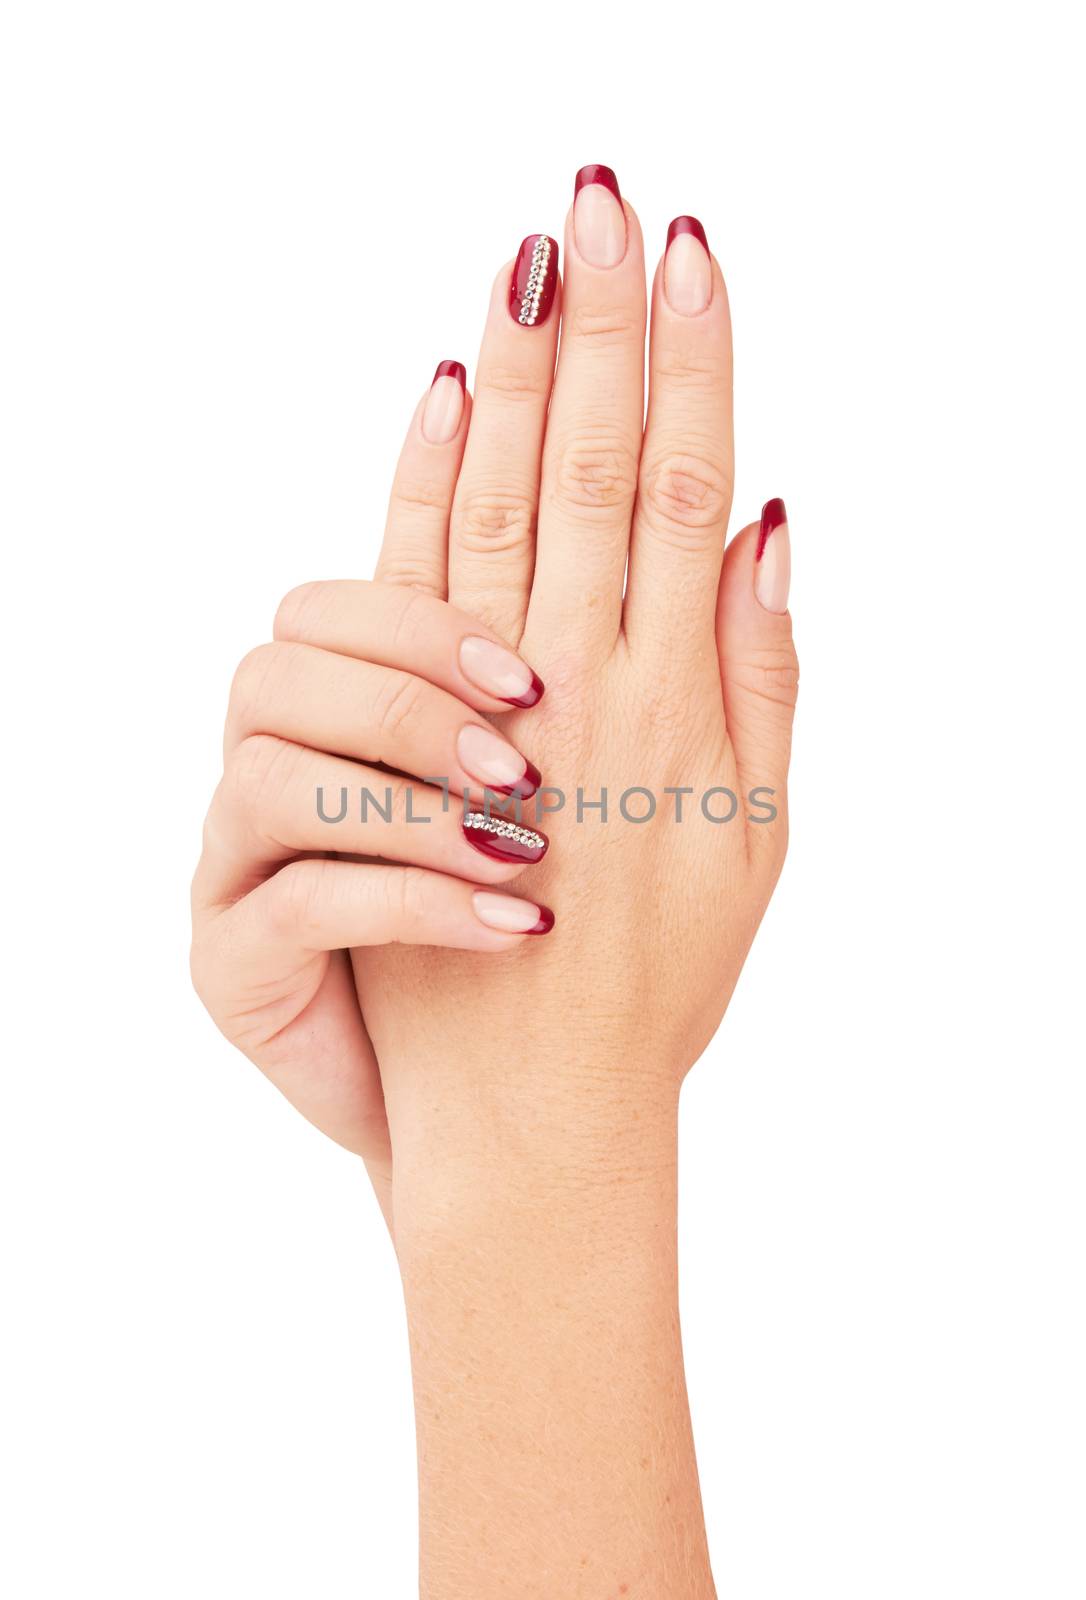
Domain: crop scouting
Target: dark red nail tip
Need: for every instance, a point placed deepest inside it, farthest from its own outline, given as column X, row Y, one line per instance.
column 773, row 514
column 452, row 369
column 525, row 786
column 504, row 839
column 534, row 280
column 688, row 225
column 596, row 174
column 531, row 696
column 546, row 921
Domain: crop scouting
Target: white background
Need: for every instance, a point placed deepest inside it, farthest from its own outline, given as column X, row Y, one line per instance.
column 237, row 239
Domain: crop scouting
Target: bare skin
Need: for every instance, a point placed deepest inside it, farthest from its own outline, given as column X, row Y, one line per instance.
column 515, row 1096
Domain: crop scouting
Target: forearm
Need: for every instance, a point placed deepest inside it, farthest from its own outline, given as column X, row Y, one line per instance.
column 537, row 1242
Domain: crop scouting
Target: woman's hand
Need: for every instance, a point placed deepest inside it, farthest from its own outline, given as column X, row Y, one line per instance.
column 532, row 1099
column 358, row 673
column 594, row 542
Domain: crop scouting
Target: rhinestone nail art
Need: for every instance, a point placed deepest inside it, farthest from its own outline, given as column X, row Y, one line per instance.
column 535, row 276
column 503, row 838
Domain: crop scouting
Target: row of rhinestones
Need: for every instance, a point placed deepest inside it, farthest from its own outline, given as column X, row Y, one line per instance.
column 503, row 827
column 537, row 277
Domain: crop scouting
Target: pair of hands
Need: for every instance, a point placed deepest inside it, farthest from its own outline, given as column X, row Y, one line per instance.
column 541, row 533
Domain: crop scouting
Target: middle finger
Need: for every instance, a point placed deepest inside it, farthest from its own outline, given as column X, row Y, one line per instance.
column 594, row 429
column 278, row 800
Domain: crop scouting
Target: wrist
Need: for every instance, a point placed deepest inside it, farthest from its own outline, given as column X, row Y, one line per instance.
column 538, row 1255
column 535, row 1138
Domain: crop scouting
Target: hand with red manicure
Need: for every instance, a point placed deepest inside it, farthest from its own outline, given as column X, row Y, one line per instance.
column 515, row 1097
column 310, row 848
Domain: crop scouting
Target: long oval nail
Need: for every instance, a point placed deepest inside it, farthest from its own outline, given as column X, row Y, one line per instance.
column 494, row 764
column 773, row 558
column 534, row 280
column 599, row 222
column 500, row 672
column 688, row 269
column 445, row 403
column 502, row 839
column 506, row 915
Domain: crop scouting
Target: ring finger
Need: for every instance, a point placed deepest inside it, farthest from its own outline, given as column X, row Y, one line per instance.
column 278, row 800
column 685, row 488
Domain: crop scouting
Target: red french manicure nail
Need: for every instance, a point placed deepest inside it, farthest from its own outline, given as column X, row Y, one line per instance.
column 531, row 696
column 452, row 369
column 596, row 174
column 687, row 277
column 525, row 786
column 535, row 277
column 688, row 225
column 773, row 514
column 545, row 923
column 503, row 839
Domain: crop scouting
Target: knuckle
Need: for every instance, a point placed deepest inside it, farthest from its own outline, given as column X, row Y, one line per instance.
column 412, row 615
column 396, row 790
column 690, row 372
column 257, row 773
column 595, row 475
column 397, row 704
column 771, row 676
column 406, row 571
column 421, row 495
column 602, row 325
column 407, row 898
column 302, row 609
column 494, row 523
column 687, row 494
column 250, row 691
column 503, row 383
column 295, row 902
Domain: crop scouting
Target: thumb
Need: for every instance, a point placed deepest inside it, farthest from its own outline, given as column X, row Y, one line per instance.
column 758, row 662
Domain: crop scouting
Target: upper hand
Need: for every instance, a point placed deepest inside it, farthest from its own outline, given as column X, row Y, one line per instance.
column 594, row 541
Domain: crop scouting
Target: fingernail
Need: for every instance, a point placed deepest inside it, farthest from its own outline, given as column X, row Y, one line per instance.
column 506, row 915
column 599, row 222
column 503, row 839
column 535, row 276
column 773, row 558
column 445, row 403
column 493, row 763
column 497, row 671
column 688, row 271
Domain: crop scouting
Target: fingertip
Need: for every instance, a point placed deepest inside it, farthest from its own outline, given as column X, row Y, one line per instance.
column 595, row 172
column 443, row 411
column 506, row 914
column 451, row 369
column 757, row 568
column 531, row 696
column 690, row 225
column 773, row 558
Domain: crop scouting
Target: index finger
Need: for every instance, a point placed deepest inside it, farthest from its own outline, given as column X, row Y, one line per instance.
column 394, row 626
